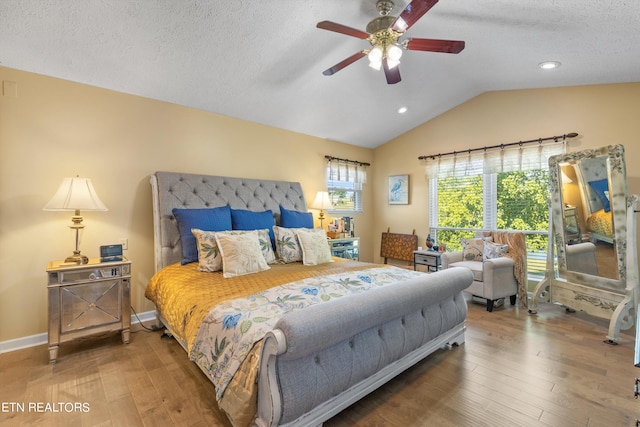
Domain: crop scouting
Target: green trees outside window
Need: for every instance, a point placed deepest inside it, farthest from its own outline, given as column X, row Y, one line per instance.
column 507, row 201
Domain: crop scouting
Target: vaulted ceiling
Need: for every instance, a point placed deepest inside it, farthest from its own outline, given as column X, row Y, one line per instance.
column 262, row 60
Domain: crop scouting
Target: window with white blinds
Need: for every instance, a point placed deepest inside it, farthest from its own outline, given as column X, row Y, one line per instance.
column 344, row 184
column 502, row 189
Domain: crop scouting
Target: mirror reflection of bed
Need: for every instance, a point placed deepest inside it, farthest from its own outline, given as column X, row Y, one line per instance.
column 588, row 217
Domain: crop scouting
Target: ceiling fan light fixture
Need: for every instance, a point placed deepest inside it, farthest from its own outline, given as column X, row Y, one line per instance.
column 383, row 34
column 375, row 57
column 394, row 53
column 375, row 54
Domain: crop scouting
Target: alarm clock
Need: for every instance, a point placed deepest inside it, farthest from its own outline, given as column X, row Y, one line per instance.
column 109, row 253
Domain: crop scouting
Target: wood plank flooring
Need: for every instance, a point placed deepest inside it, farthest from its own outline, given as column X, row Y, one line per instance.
column 515, row 369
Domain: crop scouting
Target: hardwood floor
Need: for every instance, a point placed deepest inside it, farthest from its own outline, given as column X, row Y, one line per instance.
column 515, row 369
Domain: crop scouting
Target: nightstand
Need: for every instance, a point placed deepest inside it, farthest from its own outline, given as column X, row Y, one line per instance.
column 87, row 299
column 426, row 257
column 571, row 225
column 345, row 248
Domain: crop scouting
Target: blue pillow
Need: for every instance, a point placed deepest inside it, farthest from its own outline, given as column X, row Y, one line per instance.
column 242, row 219
column 295, row 219
column 206, row 219
column 601, row 187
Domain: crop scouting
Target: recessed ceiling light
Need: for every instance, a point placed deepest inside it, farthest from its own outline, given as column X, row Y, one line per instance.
column 549, row 65
column 402, row 110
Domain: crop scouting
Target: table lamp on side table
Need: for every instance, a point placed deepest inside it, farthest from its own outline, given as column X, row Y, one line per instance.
column 322, row 202
column 76, row 194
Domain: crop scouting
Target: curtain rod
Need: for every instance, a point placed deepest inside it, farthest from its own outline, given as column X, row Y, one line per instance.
column 539, row 141
column 355, row 162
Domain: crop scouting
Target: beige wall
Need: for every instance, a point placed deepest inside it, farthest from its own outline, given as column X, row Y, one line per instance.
column 602, row 115
column 55, row 128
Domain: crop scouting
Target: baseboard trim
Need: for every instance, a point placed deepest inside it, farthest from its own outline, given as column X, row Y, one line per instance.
column 39, row 339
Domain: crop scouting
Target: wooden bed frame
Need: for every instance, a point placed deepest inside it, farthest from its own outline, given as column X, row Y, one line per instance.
column 393, row 328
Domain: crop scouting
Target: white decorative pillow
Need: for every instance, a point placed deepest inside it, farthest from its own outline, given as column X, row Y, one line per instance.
column 241, row 254
column 473, row 249
column 314, row 245
column 209, row 259
column 287, row 246
column 265, row 242
column 494, row 250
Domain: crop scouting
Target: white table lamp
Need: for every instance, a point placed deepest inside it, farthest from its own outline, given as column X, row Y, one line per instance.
column 76, row 194
column 322, row 202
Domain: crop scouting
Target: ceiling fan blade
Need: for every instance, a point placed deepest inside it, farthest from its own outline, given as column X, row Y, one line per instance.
column 411, row 14
column 433, row 45
column 342, row 29
column 340, row 65
column 392, row 74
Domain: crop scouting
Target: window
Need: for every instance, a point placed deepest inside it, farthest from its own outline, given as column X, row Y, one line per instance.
column 344, row 184
column 505, row 189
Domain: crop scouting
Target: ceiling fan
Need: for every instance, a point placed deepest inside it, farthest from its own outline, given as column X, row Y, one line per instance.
column 384, row 33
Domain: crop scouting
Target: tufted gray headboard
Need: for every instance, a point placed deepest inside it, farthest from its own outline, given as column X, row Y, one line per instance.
column 591, row 169
column 181, row 190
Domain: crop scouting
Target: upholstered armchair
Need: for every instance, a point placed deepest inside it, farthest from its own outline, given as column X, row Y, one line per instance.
column 581, row 258
column 498, row 263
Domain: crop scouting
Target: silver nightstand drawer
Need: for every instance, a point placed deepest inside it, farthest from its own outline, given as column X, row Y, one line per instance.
column 85, row 306
column 90, row 274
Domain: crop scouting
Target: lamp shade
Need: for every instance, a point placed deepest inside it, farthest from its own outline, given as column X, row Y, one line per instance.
column 322, row 201
column 564, row 178
column 75, row 194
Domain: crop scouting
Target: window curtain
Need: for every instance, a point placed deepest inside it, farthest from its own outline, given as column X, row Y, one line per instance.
column 508, row 159
column 345, row 175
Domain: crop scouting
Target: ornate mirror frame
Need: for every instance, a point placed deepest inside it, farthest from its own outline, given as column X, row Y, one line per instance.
column 610, row 297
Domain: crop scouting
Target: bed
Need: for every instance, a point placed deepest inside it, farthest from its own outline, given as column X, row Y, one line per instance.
column 318, row 354
column 593, row 180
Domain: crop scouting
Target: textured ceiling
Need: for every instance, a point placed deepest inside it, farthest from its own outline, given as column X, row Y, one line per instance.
column 262, row 60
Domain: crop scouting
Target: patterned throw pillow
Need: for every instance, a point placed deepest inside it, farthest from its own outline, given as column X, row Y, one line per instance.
column 264, row 237
column 241, row 254
column 287, row 246
column 314, row 245
column 473, row 249
column 209, row 259
column 494, row 250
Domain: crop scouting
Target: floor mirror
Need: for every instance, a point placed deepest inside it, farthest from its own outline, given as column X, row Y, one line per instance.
column 592, row 261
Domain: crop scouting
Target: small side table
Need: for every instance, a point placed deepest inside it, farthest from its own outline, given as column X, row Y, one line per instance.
column 426, row 257
column 571, row 225
column 86, row 299
column 347, row 247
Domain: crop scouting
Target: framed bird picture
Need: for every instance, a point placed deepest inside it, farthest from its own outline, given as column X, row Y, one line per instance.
column 399, row 190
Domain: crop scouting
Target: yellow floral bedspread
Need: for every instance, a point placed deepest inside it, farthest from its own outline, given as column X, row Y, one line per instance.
column 184, row 295
column 601, row 222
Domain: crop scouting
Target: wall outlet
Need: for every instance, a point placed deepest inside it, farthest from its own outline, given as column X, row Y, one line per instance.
column 125, row 243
